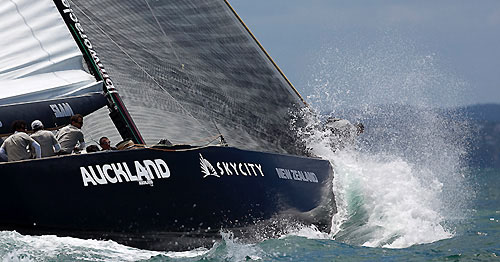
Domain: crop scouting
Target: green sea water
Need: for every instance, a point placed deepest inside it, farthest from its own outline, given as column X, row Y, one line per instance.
column 474, row 237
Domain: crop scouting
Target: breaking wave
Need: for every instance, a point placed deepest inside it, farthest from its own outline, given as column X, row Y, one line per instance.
column 403, row 183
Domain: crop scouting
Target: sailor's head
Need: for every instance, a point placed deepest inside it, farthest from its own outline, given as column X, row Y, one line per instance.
column 92, row 148
column 105, row 143
column 19, row 125
column 332, row 119
column 36, row 125
column 360, row 128
column 77, row 120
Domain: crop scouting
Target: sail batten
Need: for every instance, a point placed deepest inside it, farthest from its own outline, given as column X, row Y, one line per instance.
column 34, row 39
column 40, row 61
column 38, row 53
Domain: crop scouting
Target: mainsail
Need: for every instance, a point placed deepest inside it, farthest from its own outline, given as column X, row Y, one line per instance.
column 188, row 70
column 41, row 68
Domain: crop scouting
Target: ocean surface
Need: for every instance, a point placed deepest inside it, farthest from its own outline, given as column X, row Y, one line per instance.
column 404, row 193
column 399, row 225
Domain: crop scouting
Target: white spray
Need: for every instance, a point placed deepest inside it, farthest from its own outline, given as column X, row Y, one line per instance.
column 403, row 183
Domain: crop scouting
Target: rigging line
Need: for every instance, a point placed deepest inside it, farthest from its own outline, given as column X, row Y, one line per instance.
column 222, row 140
column 140, row 67
column 176, row 56
column 165, row 35
column 210, row 139
column 195, row 147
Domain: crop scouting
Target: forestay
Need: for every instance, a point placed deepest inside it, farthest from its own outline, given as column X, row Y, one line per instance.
column 187, row 69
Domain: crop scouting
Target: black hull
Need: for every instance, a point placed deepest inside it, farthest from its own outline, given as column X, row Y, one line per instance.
column 82, row 196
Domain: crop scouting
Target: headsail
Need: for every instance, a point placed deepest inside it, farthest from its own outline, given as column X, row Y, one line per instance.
column 183, row 65
column 40, row 65
column 117, row 110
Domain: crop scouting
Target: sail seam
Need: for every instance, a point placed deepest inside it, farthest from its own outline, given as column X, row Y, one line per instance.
column 141, row 68
column 38, row 40
column 163, row 32
column 114, row 102
column 178, row 60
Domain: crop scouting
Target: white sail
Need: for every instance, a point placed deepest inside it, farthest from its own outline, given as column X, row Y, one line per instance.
column 39, row 59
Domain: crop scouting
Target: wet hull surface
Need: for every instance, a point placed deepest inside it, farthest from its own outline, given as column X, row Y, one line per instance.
column 165, row 200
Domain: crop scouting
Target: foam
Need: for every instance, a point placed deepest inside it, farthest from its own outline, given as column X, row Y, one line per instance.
column 50, row 247
column 403, row 183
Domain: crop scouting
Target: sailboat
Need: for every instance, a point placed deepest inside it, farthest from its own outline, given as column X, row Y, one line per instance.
column 206, row 109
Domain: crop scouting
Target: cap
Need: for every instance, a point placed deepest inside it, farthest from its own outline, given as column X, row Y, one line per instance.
column 36, row 124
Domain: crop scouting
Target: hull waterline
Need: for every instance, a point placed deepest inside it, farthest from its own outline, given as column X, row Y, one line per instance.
column 163, row 199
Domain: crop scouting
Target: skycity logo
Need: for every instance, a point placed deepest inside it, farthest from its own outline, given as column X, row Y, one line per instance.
column 207, row 168
column 144, row 174
column 229, row 168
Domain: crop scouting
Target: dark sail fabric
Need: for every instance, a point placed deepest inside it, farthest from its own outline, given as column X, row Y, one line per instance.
column 187, row 69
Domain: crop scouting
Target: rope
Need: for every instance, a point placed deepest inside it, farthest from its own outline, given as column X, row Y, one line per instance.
column 209, row 139
column 175, row 150
column 139, row 66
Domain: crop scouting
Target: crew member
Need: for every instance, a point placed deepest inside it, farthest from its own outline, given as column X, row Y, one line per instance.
column 45, row 138
column 343, row 132
column 105, row 144
column 92, row 149
column 19, row 145
column 71, row 135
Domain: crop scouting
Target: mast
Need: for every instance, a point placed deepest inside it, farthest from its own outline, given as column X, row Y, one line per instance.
column 118, row 112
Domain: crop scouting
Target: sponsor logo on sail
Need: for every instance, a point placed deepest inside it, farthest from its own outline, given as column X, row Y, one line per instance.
column 230, row 169
column 62, row 109
column 297, row 175
column 145, row 172
column 86, row 42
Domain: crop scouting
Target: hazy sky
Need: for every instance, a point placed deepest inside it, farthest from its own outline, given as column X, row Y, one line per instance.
column 449, row 49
